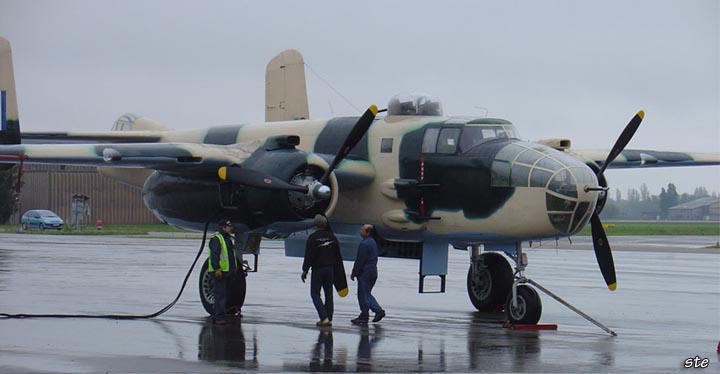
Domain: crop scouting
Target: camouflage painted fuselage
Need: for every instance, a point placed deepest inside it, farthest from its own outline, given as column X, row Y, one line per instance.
column 495, row 188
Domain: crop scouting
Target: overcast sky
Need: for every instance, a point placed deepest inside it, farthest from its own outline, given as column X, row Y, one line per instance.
column 573, row 69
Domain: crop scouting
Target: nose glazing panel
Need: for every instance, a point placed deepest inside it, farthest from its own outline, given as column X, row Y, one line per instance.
column 523, row 164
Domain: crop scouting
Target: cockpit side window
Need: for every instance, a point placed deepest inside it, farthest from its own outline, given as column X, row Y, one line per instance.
column 448, row 140
column 430, row 140
column 471, row 137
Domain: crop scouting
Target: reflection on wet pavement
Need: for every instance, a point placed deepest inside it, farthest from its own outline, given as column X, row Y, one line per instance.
column 225, row 345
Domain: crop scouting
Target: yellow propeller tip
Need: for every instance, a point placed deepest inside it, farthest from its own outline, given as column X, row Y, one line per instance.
column 222, row 173
column 373, row 108
column 641, row 114
column 612, row 287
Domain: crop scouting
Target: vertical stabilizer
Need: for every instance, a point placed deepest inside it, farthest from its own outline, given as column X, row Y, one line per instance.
column 9, row 122
column 285, row 89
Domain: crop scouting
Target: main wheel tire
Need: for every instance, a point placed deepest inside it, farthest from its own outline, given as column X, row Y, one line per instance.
column 206, row 285
column 528, row 309
column 237, row 289
column 489, row 288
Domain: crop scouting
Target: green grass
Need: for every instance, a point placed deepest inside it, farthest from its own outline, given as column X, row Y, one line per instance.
column 657, row 228
column 92, row 230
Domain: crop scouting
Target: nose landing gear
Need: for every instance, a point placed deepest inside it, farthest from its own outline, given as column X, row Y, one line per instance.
column 491, row 282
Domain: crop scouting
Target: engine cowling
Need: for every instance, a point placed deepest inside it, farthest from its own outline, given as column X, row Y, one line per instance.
column 295, row 167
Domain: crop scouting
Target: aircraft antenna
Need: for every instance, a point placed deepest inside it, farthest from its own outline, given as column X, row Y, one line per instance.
column 482, row 108
column 332, row 88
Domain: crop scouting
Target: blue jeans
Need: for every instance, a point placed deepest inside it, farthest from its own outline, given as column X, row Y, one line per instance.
column 366, row 282
column 322, row 277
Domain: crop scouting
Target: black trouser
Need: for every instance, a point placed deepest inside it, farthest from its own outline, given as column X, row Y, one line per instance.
column 322, row 277
column 220, row 292
column 236, row 290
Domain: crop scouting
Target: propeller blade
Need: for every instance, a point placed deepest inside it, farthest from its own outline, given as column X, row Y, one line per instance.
column 603, row 252
column 252, row 178
column 623, row 140
column 357, row 132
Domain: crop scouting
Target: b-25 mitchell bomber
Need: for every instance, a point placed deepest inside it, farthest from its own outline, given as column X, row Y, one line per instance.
column 428, row 182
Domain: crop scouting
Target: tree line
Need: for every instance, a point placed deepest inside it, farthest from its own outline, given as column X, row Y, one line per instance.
column 8, row 191
column 638, row 204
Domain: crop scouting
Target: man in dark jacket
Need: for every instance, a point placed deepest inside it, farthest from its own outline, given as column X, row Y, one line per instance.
column 322, row 252
column 223, row 264
column 365, row 269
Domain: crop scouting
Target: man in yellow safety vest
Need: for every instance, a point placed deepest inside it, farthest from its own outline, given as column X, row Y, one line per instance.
column 223, row 264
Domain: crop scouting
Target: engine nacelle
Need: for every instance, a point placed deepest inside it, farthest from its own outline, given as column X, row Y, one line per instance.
column 295, row 167
column 190, row 202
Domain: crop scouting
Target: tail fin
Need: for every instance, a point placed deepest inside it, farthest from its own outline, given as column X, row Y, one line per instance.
column 10, row 124
column 285, row 89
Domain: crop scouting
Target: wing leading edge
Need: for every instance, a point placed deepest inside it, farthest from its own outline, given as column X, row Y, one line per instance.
column 173, row 157
column 92, row 137
column 635, row 158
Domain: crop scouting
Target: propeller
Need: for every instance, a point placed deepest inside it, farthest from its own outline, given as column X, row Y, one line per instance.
column 603, row 254
column 253, row 178
column 357, row 132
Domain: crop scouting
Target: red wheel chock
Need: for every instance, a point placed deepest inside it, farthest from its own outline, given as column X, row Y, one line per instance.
column 543, row 326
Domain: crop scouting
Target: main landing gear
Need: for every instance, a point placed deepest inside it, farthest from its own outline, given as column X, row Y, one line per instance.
column 245, row 244
column 492, row 287
column 236, row 289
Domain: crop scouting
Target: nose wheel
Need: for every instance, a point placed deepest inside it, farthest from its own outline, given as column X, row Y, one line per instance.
column 525, row 308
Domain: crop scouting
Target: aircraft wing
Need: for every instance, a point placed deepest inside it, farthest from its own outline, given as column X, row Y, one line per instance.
column 92, row 137
column 174, row 157
column 634, row 158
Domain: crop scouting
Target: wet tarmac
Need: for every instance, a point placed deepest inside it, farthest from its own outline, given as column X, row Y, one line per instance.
column 666, row 309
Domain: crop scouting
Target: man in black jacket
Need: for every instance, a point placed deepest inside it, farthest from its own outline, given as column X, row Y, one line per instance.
column 322, row 252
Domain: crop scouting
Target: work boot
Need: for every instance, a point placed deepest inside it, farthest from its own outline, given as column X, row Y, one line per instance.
column 324, row 323
column 379, row 315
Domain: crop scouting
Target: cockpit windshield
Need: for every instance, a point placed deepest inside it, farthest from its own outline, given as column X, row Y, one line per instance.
column 474, row 135
column 451, row 140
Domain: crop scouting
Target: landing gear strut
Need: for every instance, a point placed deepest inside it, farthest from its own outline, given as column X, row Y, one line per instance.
column 523, row 304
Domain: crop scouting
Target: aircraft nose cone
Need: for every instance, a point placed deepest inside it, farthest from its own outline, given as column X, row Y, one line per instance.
column 564, row 178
